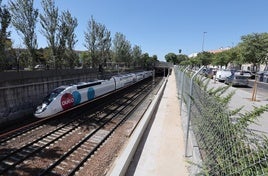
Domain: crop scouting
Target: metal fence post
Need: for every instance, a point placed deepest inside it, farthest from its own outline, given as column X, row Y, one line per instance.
column 189, row 109
column 182, row 86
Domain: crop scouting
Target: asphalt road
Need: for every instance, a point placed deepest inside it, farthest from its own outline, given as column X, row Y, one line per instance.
column 262, row 90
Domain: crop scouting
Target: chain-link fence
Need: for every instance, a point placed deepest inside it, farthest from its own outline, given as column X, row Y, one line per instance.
column 226, row 145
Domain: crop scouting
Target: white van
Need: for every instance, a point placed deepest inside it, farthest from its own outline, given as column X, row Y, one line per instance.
column 222, row 74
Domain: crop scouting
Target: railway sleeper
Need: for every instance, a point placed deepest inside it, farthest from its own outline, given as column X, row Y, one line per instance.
column 21, row 154
column 8, row 162
column 58, row 167
column 47, row 140
column 29, row 150
column 51, row 137
column 15, row 158
column 42, row 142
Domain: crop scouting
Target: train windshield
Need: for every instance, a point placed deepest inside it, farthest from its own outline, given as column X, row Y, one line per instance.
column 52, row 95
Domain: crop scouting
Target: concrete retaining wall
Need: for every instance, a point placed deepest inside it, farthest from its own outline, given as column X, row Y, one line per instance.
column 20, row 92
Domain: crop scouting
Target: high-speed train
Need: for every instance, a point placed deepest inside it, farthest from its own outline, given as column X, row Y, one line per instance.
column 66, row 97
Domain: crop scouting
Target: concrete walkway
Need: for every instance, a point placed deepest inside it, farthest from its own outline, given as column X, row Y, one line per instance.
column 163, row 149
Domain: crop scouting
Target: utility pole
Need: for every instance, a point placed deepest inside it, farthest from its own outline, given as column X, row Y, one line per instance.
column 203, row 41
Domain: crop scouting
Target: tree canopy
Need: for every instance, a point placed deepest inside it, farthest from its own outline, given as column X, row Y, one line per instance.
column 98, row 42
column 24, row 19
column 121, row 48
column 5, row 19
column 50, row 26
column 59, row 30
column 254, row 48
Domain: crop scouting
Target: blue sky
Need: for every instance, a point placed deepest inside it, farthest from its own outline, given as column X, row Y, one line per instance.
column 163, row 26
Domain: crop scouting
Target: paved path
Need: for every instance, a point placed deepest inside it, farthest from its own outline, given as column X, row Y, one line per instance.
column 163, row 150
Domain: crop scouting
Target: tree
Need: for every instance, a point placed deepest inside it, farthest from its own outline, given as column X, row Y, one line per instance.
column 70, row 24
column 47, row 57
column 98, row 42
column 145, row 57
column 105, row 44
column 59, row 32
column 220, row 59
column 61, row 43
column 186, row 62
column 49, row 21
column 205, row 58
column 136, row 55
column 24, row 19
column 234, row 56
column 195, row 62
column 172, row 58
column 85, row 59
column 5, row 19
column 147, row 61
column 154, row 58
column 254, row 48
column 66, row 40
column 121, row 49
column 181, row 58
column 176, row 59
column 152, row 61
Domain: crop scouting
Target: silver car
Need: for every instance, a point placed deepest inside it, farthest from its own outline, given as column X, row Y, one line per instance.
column 237, row 80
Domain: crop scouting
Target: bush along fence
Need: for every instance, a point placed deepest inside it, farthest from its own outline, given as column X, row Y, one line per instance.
column 226, row 145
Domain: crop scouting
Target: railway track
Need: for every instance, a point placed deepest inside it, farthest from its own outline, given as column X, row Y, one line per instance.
column 90, row 132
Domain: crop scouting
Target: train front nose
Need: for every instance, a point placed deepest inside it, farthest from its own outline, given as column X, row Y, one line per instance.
column 41, row 108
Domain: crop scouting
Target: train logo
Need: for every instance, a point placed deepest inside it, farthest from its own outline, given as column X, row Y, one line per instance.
column 67, row 101
column 77, row 97
column 90, row 93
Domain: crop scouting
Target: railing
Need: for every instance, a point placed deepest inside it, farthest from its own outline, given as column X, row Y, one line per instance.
column 226, row 145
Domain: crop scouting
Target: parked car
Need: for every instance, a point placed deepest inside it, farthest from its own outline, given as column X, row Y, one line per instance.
column 209, row 72
column 221, row 75
column 39, row 67
column 237, row 79
column 246, row 73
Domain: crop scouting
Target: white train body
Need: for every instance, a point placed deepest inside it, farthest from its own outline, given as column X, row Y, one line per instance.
column 66, row 97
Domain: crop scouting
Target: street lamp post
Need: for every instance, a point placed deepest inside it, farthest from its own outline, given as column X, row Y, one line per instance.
column 203, row 41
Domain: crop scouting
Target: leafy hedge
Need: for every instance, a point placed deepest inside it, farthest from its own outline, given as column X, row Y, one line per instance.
column 227, row 145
